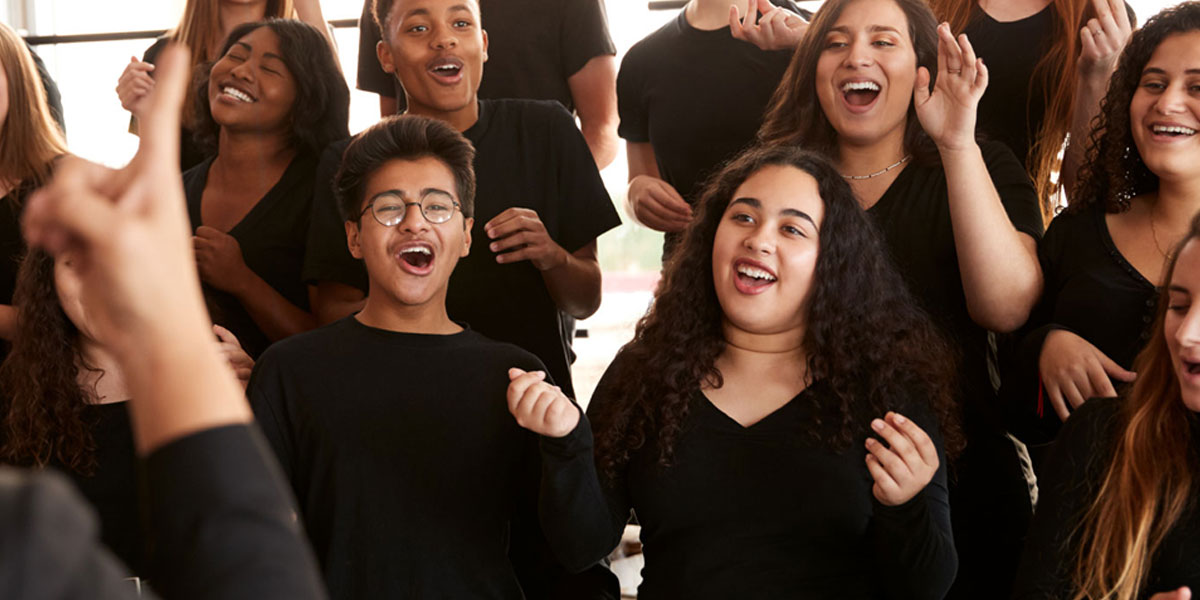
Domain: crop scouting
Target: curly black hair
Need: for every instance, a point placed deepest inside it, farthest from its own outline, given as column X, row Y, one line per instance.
column 321, row 112
column 1114, row 172
column 866, row 336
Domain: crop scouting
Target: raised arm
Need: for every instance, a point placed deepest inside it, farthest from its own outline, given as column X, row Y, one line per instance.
column 220, row 511
column 1000, row 272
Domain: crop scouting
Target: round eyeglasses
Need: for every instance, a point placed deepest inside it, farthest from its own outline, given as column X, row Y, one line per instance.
column 389, row 207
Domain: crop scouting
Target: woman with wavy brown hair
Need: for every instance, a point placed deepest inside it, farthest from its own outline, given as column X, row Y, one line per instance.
column 1104, row 257
column 1118, row 519
column 63, row 403
column 31, row 141
column 203, row 28
column 738, row 424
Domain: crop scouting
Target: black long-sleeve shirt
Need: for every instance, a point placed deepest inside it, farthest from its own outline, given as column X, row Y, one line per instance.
column 762, row 512
column 1070, row 481
column 221, row 519
column 410, row 473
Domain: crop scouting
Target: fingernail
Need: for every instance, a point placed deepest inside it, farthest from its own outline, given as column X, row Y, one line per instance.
column 900, row 418
column 541, row 374
column 494, row 246
column 877, row 425
column 871, row 442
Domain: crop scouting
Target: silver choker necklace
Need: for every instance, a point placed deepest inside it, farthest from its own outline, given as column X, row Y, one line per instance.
column 880, row 172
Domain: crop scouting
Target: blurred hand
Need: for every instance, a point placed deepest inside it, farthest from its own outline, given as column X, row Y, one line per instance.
column 538, row 406
column 127, row 229
column 231, row 349
column 1183, row 593
column 134, row 86
column 777, row 29
column 657, row 205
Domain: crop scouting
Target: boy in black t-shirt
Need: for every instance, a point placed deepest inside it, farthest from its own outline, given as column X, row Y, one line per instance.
column 541, row 203
column 410, row 465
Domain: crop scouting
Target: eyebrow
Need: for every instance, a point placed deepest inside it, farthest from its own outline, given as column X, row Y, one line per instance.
column 1158, row 71
column 250, row 48
column 1178, row 288
column 787, row 212
column 425, row 11
column 402, row 194
column 871, row 29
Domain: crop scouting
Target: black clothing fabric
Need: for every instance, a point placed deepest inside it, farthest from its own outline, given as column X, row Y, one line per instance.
column 989, row 496
column 697, row 97
column 222, row 523
column 12, row 242
column 113, row 488
column 528, row 57
column 53, row 96
column 1070, row 482
column 273, row 237
column 764, row 512
column 528, row 154
column 410, row 470
column 191, row 153
column 1090, row 290
column 1013, row 107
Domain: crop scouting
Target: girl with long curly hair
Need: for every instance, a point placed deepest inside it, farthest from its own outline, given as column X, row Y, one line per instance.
column 1118, row 517
column 203, row 29
column 891, row 97
column 63, row 402
column 31, row 142
column 740, row 422
column 270, row 105
column 1105, row 257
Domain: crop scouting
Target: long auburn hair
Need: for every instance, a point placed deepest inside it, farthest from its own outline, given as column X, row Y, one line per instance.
column 1150, row 480
column 794, row 115
column 1055, row 71
column 32, row 139
column 43, row 419
column 1114, row 172
column 200, row 29
column 865, row 337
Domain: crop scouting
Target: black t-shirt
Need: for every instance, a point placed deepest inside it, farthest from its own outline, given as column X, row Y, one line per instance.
column 113, row 489
column 191, row 153
column 1090, row 290
column 1069, row 485
column 408, row 467
column 528, row 154
column 696, row 96
column 273, row 237
column 989, row 494
column 12, row 242
column 533, row 47
column 763, row 512
column 1014, row 105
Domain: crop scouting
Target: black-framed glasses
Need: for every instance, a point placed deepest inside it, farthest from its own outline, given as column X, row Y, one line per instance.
column 389, row 207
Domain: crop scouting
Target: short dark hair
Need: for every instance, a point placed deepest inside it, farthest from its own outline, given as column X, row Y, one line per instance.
column 380, row 10
column 321, row 112
column 403, row 137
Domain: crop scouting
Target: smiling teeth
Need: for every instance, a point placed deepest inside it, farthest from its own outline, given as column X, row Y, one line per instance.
column 855, row 86
column 1173, row 129
column 417, row 249
column 755, row 272
column 236, row 93
column 446, row 68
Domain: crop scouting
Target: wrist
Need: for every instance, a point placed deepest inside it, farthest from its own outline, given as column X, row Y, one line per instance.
column 957, row 150
column 559, row 257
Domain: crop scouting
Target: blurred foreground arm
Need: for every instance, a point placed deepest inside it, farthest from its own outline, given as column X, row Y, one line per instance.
column 221, row 515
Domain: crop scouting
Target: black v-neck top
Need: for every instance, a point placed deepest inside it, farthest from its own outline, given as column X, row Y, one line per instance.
column 273, row 237
column 764, row 512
